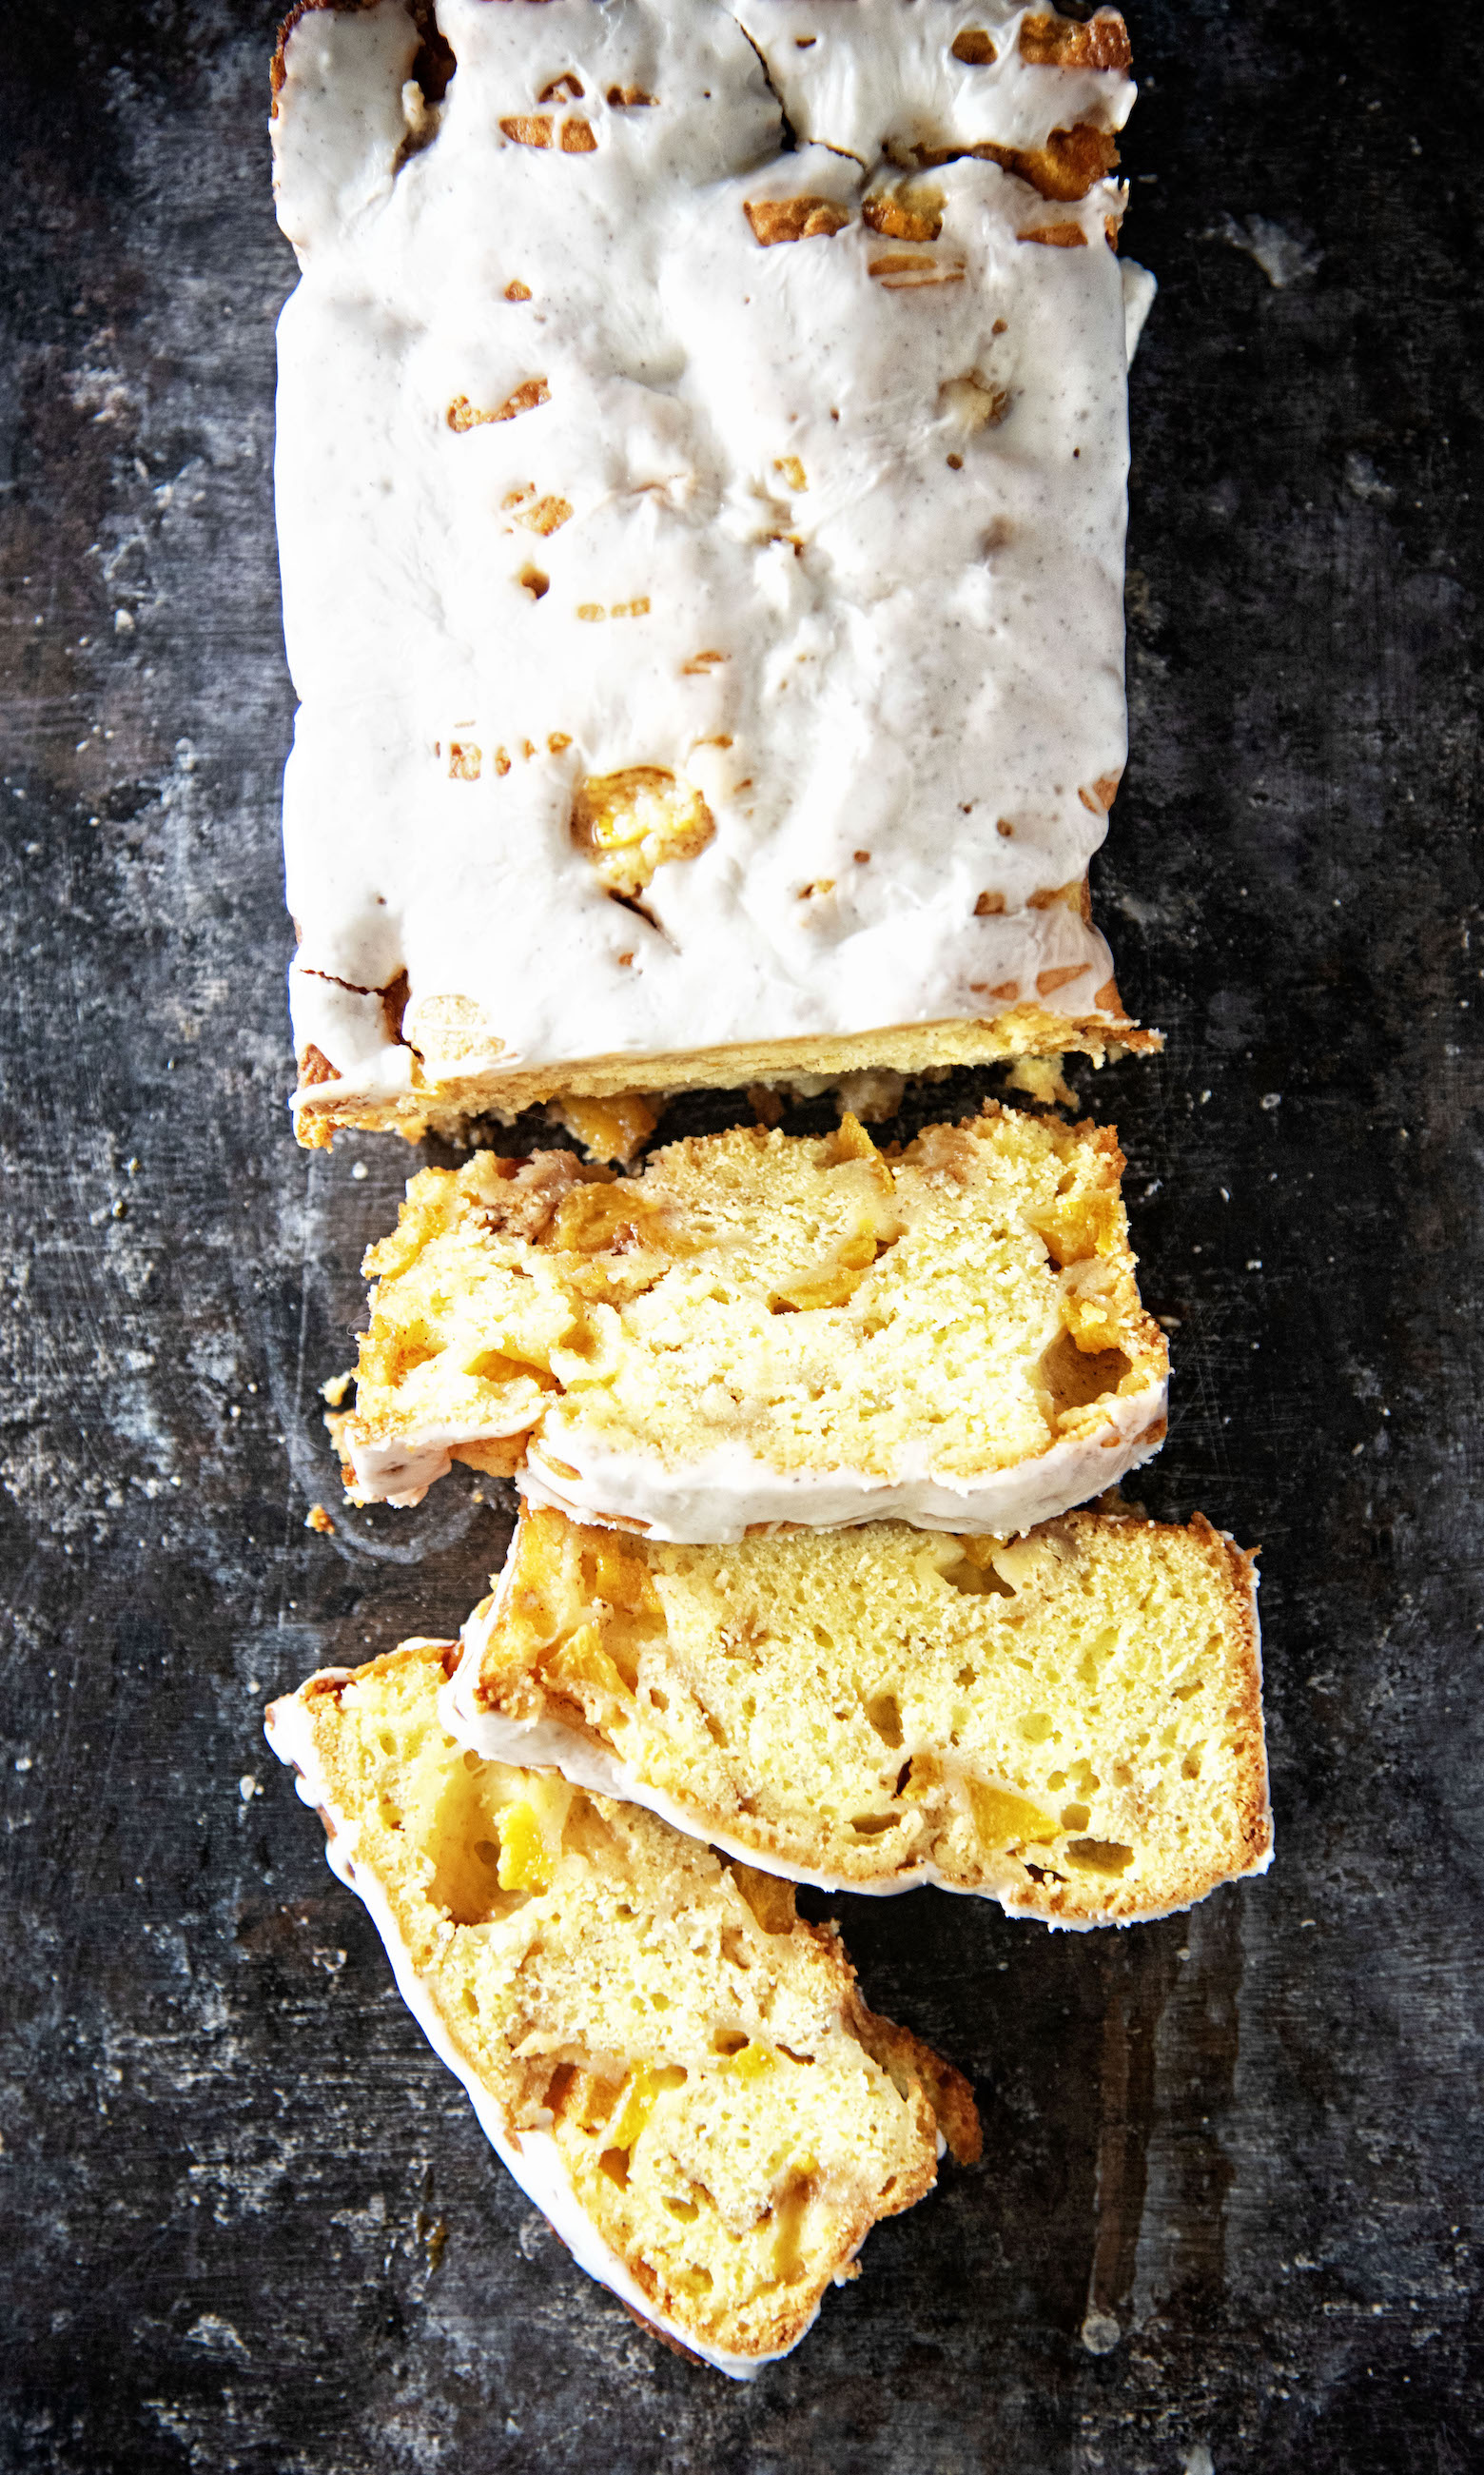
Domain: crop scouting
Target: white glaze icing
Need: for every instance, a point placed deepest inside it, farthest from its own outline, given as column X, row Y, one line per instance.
column 401, row 1470
column 942, row 652
column 715, row 1499
column 532, row 2157
column 879, row 77
column 546, row 1744
column 1139, row 288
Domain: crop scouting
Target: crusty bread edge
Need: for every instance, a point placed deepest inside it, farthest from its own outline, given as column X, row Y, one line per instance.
column 325, row 1099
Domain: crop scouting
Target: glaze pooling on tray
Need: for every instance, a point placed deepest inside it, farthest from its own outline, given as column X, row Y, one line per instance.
column 702, row 561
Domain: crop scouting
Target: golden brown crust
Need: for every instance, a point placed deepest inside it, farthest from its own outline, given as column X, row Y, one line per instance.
column 1055, row 235
column 1254, row 1806
column 975, row 47
column 1101, row 42
column 1071, row 163
column 1029, row 1028
column 948, row 2092
column 496, row 1456
column 775, row 220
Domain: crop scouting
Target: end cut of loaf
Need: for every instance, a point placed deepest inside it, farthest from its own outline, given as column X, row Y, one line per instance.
column 678, row 2071
column 1069, row 1723
column 701, row 470
column 763, row 1328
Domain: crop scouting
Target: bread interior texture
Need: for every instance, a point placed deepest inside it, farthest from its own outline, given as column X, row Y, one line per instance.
column 731, row 2118
column 1069, row 1723
column 959, row 1306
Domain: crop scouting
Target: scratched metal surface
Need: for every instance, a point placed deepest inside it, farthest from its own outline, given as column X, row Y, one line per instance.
column 1226, row 2216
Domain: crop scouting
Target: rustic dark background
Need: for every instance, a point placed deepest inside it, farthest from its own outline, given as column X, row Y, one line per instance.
column 1226, row 2220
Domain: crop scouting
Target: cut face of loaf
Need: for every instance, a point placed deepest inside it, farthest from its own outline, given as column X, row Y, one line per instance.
column 1070, row 1723
column 676, row 2070
column 764, row 1328
column 701, row 469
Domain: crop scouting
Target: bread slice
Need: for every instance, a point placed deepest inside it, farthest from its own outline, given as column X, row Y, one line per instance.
column 679, row 2072
column 768, row 1328
column 1070, row 1723
column 701, row 473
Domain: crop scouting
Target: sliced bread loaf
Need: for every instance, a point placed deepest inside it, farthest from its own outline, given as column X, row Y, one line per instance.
column 1069, row 1723
column 766, row 1327
column 679, row 2072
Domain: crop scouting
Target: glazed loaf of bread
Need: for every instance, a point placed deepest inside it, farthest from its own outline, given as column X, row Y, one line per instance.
column 701, row 467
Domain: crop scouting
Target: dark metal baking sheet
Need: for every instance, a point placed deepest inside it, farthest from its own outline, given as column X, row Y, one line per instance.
column 1226, row 2216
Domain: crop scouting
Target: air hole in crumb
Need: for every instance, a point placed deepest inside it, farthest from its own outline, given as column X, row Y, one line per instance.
column 870, row 1826
column 613, row 2163
column 1074, row 1377
column 558, row 2087
column 536, row 584
column 977, row 1580
column 883, row 1712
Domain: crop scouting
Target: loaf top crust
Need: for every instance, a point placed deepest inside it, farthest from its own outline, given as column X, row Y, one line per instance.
column 702, row 554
